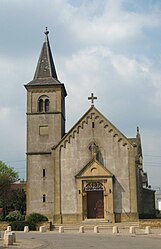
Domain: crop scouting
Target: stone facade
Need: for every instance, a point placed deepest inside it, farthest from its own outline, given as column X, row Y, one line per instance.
column 91, row 172
column 111, row 166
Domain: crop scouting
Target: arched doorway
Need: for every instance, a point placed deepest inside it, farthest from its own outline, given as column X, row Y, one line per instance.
column 95, row 200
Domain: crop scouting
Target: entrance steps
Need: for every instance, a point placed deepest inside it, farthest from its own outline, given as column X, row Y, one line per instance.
column 91, row 223
column 102, row 222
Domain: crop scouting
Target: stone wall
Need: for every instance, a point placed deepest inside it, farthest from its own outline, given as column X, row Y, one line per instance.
column 148, row 204
column 3, row 225
column 47, row 224
column 150, row 222
column 37, row 185
column 113, row 147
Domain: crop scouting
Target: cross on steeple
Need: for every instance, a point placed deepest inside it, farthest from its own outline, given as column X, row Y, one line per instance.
column 92, row 98
column 46, row 31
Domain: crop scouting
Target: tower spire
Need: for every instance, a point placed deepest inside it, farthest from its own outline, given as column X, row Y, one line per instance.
column 45, row 74
column 45, row 66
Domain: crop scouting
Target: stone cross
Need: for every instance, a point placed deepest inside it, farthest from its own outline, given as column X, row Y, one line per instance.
column 92, row 98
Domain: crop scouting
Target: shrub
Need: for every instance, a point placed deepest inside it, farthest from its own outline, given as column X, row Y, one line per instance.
column 18, row 225
column 1, row 218
column 36, row 218
column 15, row 216
column 32, row 226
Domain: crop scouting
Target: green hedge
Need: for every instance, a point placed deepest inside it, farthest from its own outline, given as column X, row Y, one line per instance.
column 36, row 218
column 31, row 221
column 18, row 225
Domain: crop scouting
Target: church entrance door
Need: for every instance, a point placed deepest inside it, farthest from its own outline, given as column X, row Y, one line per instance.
column 95, row 204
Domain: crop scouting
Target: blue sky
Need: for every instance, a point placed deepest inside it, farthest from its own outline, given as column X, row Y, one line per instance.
column 109, row 47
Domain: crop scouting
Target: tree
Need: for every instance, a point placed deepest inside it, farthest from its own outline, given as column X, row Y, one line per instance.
column 7, row 177
column 17, row 200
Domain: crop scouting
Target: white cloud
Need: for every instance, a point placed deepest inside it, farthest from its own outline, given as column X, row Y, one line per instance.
column 4, row 113
column 105, row 47
column 113, row 25
column 125, row 66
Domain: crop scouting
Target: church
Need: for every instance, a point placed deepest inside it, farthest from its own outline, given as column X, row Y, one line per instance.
column 93, row 171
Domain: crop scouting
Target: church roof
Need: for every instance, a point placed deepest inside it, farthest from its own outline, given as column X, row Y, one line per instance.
column 132, row 140
column 45, row 73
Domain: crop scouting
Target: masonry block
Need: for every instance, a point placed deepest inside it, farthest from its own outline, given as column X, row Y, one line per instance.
column 9, row 229
column 6, row 233
column 26, row 229
column 132, row 230
column 81, row 229
column 61, row 229
column 8, row 239
column 115, row 230
column 96, row 229
column 147, row 230
column 42, row 229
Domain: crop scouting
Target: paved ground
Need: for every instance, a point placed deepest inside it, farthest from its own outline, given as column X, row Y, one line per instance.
column 89, row 240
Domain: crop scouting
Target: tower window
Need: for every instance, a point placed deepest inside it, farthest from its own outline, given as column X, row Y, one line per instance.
column 44, row 198
column 40, row 107
column 43, row 103
column 92, row 124
column 46, row 105
column 44, row 173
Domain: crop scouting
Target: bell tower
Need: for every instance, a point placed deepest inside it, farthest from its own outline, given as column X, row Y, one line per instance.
column 45, row 128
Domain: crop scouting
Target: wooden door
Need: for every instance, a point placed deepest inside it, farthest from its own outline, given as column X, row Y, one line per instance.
column 95, row 204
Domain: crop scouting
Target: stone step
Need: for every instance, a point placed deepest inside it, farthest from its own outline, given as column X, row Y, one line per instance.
column 108, row 224
column 89, row 225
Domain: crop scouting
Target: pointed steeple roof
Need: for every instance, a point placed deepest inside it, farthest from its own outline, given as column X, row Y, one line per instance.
column 45, row 67
column 45, row 73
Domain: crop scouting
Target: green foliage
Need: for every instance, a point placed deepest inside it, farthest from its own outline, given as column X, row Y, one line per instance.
column 32, row 226
column 7, row 177
column 17, row 200
column 15, row 216
column 18, row 225
column 1, row 218
column 33, row 219
column 36, row 218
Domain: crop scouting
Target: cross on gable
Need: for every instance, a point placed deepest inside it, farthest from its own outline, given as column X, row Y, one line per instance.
column 92, row 98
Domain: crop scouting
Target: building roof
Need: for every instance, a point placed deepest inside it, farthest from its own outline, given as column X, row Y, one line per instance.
column 45, row 73
column 16, row 186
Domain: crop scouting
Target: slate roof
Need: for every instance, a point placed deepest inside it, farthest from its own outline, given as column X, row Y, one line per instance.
column 45, row 73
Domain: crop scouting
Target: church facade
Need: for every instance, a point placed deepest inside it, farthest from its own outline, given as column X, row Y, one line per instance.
column 91, row 172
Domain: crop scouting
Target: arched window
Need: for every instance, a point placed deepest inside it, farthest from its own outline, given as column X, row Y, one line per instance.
column 40, row 105
column 46, row 105
column 43, row 103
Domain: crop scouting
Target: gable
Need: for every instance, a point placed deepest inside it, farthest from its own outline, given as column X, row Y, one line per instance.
column 93, row 115
column 94, row 169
